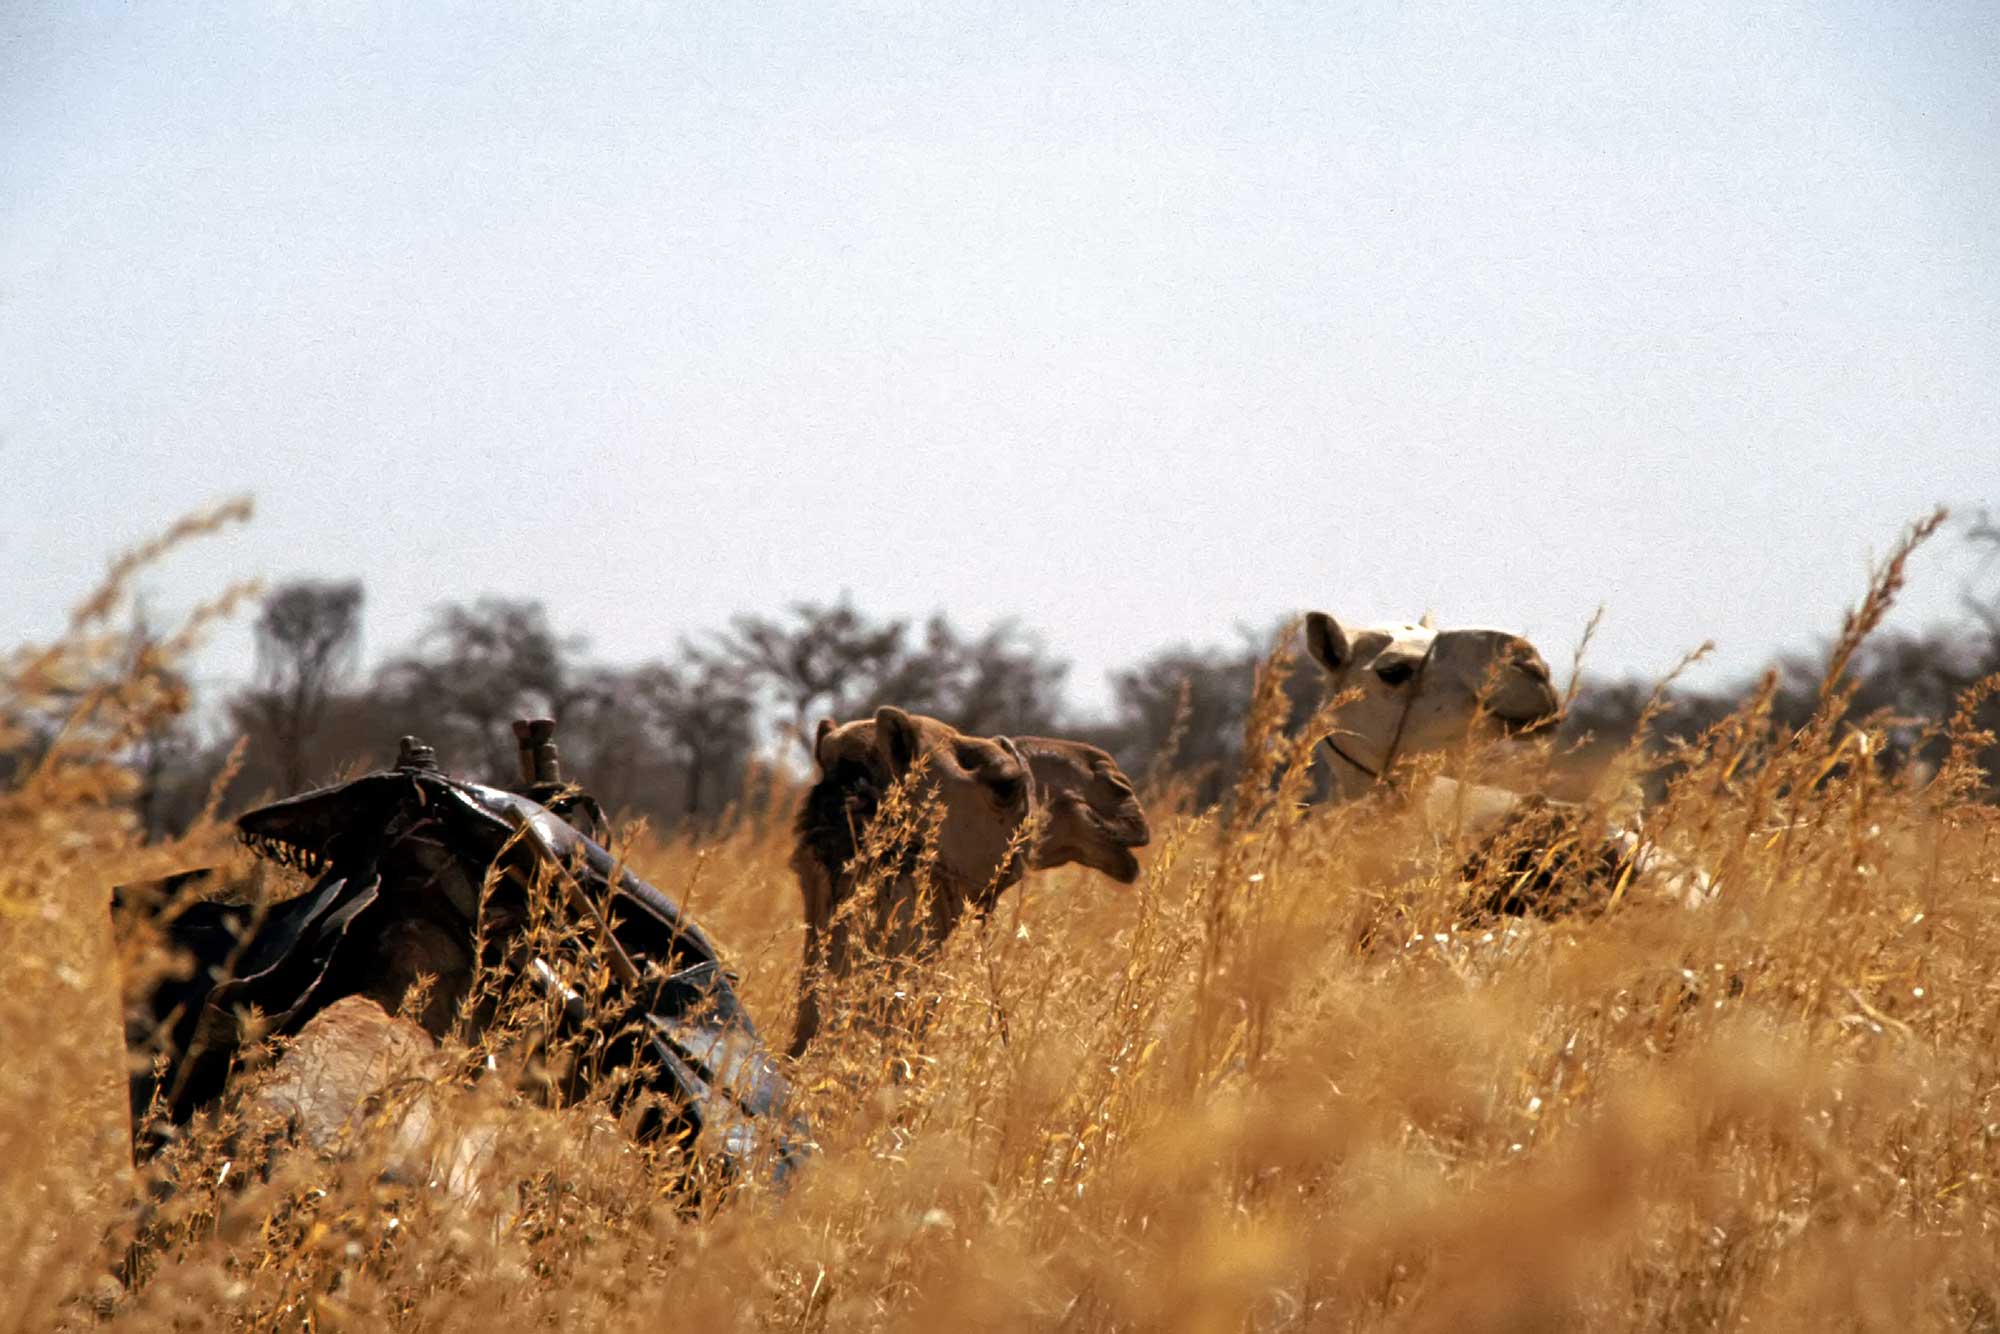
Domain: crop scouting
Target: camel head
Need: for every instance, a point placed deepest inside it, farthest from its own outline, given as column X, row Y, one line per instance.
column 1094, row 817
column 1424, row 689
column 983, row 786
column 984, row 793
column 985, row 789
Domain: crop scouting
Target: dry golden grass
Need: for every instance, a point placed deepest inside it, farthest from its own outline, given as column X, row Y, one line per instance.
column 1267, row 1088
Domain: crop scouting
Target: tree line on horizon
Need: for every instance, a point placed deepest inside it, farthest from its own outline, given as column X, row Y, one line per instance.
column 680, row 738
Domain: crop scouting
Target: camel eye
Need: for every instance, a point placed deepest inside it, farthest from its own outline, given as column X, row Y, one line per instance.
column 1397, row 672
column 1005, row 789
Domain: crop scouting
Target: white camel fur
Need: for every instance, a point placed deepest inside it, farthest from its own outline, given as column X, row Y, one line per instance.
column 1422, row 690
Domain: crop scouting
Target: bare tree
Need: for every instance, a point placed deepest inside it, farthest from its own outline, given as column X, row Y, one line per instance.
column 836, row 660
column 308, row 642
column 1183, row 709
column 165, row 745
column 1000, row 681
column 1984, row 535
column 480, row 667
column 818, row 659
column 705, row 718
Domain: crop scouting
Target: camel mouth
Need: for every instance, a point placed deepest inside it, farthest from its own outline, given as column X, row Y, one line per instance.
column 1121, row 832
column 1104, row 845
column 1119, row 864
column 1518, row 725
column 1545, row 711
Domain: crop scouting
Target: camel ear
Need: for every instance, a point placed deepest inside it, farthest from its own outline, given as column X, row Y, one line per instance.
column 826, row 726
column 1013, row 752
column 1326, row 641
column 896, row 738
column 1008, row 780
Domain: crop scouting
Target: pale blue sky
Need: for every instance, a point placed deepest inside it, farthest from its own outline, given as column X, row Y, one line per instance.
column 1134, row 322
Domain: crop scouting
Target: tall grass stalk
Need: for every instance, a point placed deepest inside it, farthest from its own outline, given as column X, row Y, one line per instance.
column 1275, row 1085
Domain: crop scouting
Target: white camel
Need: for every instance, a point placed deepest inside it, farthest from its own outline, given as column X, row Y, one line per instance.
column 1422, row 690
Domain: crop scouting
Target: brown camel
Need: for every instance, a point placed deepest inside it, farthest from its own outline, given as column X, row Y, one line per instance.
column 1001, row 807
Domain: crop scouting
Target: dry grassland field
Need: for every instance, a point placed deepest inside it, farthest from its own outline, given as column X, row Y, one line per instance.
column 1277, row 1083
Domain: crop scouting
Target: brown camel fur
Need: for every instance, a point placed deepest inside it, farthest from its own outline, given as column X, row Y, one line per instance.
column 991, row 809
